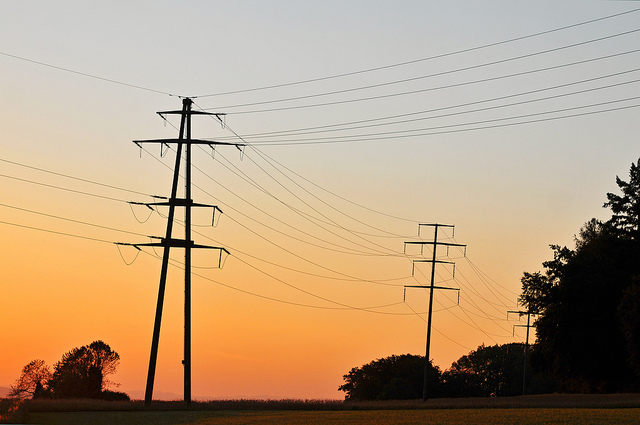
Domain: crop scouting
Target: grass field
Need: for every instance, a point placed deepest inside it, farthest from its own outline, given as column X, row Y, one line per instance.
column 547, row 409
column 378, row 417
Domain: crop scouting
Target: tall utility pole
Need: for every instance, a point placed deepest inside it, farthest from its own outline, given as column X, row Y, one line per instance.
column 184, row 139
column 526, row 345
column 432, row 287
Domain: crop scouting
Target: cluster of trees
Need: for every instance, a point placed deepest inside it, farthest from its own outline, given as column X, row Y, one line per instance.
column 81, row 373
column 587, row 301
column 486, row 372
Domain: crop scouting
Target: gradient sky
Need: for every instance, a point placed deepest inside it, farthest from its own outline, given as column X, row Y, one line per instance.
column 508, row 119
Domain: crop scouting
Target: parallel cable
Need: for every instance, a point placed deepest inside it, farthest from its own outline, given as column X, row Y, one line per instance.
column 309, row 218
column 461, row 130
column 270, row 161
column 62, row 188
column 70, row 220
column 480, row 274
column 437, row 74
column 236, row 250
column 72, row 177
column 429, row 89
column 367, row 123
column 380, row 68
column 402, row 133
column 55, row 232
column 351, row 251
column 335, row 194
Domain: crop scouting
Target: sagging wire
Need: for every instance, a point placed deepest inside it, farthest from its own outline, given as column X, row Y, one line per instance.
column 118, row 244
column 131, row 204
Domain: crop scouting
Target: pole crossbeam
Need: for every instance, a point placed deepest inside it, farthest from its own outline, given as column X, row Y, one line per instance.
column 188, row 142
column 422, row 244
column 432, row 243
column 432, row 287
column 176, row 243
column 413, row 266
column 190, row 112
column 178, row 202
column 429, row 287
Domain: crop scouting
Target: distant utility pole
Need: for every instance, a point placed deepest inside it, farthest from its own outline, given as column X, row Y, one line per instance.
column 526, row 345
column 432, row 287
column 184, row 140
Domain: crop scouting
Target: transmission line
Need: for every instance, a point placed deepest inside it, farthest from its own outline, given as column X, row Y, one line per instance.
column 384, row 67
column 411, row 92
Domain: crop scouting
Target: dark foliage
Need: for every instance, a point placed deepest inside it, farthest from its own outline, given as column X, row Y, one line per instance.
column 32, row 381
column 486, row 372
column 391, row 378
column 629, row 313
column 114, row 396
column 12, row 411
column 81, row 373
column 588, row 300
column 626, row 207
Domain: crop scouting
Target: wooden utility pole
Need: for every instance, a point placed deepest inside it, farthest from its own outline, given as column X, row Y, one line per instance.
column 431, row 288
column 184, row 140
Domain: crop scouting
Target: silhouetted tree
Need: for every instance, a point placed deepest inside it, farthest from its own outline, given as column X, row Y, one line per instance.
column 81, row 373
column 486, row 372
column 586, row 297
column 32, row 381
column 629, row 312
column 391, row 378
column 626, row 207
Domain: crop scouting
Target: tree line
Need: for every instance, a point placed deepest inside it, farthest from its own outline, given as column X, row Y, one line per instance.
column 81, row 373
column 587, row 306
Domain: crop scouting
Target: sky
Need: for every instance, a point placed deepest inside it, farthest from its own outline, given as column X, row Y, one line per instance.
column 359, row 120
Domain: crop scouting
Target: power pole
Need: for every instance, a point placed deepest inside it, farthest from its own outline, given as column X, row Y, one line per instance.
column 184, row 139
column 526, row 345
column 432, row 286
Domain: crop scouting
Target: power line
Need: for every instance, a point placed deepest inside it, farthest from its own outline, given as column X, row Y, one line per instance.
column 71, row 220
column 375, row 122
column 471, row 111
column 331, row 222
column 482, row 275
column 370, row 252
column 441, row 129
column 293, row 209
column 384, row 67
column 56, row 173
column 333, row 193
column 343, row 306
column 226, row 205
column 271, row 161
column 55, row 232
column 84, row 74
column 417, row 91
column 62, row 188
column 244, row 177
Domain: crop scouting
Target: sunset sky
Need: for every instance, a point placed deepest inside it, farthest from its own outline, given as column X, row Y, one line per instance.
column 362, row 119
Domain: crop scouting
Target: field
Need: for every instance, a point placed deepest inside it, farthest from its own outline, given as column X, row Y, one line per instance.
column 379, row 417
column 550, row 409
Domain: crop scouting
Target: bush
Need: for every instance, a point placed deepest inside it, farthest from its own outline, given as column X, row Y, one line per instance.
column 12, row 410
column 114, row 396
